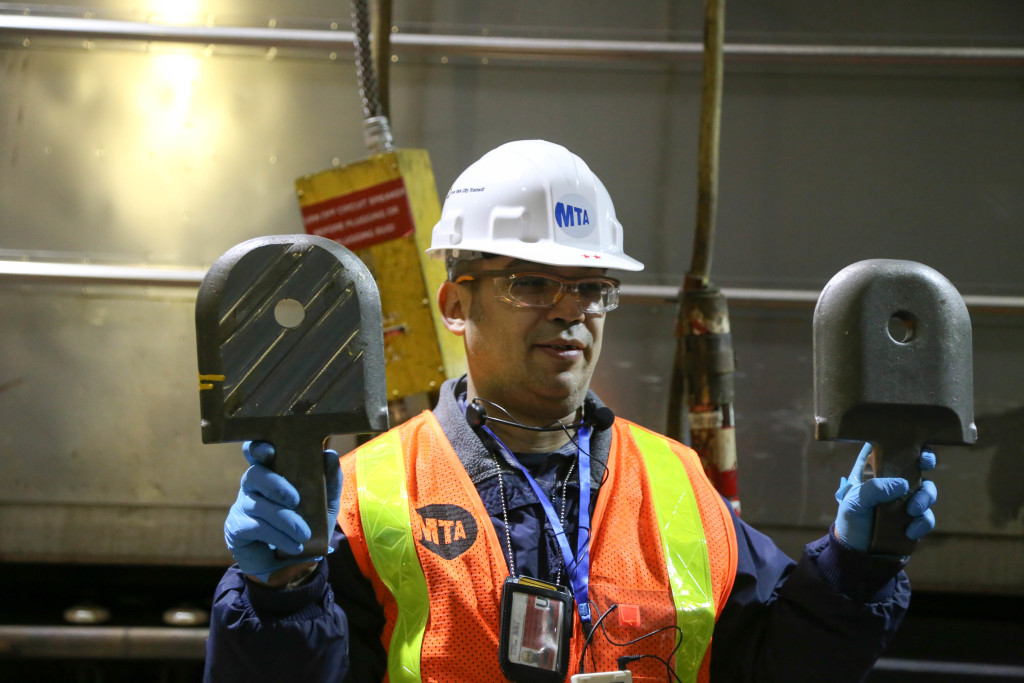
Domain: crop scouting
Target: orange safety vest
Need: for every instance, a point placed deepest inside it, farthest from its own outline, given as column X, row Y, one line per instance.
column 420, row 533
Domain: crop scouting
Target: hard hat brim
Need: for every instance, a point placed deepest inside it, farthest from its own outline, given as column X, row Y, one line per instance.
column 552, row 255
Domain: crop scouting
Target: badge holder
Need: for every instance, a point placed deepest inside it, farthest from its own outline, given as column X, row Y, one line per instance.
column 536, row 627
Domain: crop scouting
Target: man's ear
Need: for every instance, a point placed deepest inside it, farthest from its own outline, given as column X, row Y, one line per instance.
column 453, row 302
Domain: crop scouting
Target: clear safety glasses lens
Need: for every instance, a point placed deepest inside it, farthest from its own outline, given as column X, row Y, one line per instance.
column 544, row 290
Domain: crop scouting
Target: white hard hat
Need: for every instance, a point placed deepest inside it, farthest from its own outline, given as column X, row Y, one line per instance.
column 532, row 200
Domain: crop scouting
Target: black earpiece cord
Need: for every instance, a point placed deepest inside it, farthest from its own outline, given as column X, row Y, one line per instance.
column 622, row 661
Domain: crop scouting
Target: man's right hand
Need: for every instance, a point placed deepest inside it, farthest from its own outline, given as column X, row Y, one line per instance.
column 263, row 518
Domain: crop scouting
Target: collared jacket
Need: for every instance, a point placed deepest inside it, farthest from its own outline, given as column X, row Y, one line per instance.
column 829, row 615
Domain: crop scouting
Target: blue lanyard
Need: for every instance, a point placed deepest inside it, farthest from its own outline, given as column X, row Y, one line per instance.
column 579, row 577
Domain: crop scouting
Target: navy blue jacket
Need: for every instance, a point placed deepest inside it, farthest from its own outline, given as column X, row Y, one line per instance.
column 826, row 617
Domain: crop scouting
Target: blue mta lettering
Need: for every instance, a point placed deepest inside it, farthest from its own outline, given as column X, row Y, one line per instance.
column 567, row 215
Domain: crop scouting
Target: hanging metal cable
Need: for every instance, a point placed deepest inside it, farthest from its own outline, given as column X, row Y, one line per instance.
column 376, row 128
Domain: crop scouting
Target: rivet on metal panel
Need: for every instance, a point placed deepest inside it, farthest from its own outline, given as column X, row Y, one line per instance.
column 273, row 159
column 210, row 21
column 444, row 60
column 272, row 23
column 185, row 615
column 485, row 61
column 26, row 42
column 86, row 613
column 333, row 56
column 394, row 59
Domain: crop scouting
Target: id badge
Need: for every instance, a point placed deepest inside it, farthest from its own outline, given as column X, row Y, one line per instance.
column 536, row 627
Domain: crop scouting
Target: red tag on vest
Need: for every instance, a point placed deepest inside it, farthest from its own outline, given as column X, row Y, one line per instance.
column 629, row 615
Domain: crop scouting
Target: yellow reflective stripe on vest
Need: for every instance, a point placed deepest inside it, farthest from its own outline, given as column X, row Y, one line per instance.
column 686, row 550
column 384, row 511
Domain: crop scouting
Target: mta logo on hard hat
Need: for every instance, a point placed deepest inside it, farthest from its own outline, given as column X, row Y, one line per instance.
column 575, row 215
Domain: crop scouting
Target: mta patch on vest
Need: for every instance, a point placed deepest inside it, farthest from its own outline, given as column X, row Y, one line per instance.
column 446, row 530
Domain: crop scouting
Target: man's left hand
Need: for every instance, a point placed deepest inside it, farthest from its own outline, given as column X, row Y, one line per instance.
column 857, row 500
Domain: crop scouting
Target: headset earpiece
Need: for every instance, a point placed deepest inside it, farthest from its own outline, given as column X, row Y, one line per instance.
column 599, row 418
column 475, row 415
column 603, row 418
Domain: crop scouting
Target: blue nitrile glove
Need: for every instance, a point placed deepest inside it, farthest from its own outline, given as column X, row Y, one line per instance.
column 264, row 518
column 857, row 501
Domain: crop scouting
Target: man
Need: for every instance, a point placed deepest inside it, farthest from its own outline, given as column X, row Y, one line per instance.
column 461, row 550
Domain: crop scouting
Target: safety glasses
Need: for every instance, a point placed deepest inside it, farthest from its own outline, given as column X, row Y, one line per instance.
column 544, row 290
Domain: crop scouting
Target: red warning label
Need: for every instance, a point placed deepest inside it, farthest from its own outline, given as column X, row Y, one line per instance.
column 364, row 218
